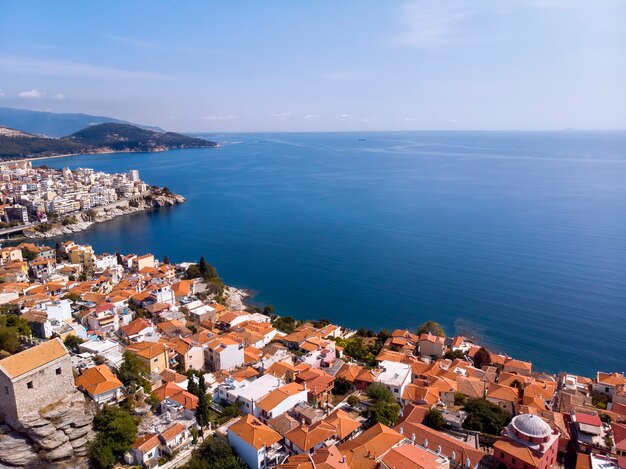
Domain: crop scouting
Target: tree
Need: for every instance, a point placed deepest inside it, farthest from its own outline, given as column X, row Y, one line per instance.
column 214, row 453
column 378, row 392
column 120, row 259
column 268, row 310
column 482, row 358
column 9, row 340
column 342, row 386
column 28, row 255
column 16, row 322
column 72, row 341
column 353, row 401
column 134, row 371
column 454, row 355
column 193, row 271
column 285, row 324
column 356, row 348
column 58, row 248
column 101, row 455
column 485, row 417
column 384, row 409
column 434, row 419
column 166, row 260
column 599, row 400
column 202, row 411
column 431, row 327
column 73, row 297
column 117, row 431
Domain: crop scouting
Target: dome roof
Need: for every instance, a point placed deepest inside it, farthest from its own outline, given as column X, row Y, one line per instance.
column 531, row 425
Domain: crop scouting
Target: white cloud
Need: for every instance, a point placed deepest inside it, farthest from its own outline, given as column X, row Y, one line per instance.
column 28, row 66
column 281, row 115
column 343, row 117
column 58, row 96
column 408, row 119
column 2, row 95
column 428, row 23
column 218, row 118
column 311, row 117
column 30, row 94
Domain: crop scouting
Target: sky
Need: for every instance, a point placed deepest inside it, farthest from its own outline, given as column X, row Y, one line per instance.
column 323, row 65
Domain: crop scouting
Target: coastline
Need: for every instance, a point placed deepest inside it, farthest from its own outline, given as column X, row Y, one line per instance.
column 103, row 214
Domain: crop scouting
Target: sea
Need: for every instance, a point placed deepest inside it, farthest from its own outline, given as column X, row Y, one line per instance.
column 517, row 239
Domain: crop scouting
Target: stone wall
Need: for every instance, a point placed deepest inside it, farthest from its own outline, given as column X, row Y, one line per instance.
column 35, row 389
column 55, row 436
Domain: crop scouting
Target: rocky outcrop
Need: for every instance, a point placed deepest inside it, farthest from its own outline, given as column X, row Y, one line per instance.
column 57, row 436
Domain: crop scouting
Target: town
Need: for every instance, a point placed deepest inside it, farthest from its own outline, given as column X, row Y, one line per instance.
column 126, row 359
column 44, row 202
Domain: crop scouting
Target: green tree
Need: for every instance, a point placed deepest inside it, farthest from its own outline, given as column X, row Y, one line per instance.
column 356, row 348
column 28, row 255
column 353, row 401
column 599, row 400
column 434, row 419
column 378, row 392
column 134, row 371
column 193, row 271
column 384, row 409
column 285, row 324
column 73, row 297
column 485, row 417
column 72, row 341
column 431, row 327
column 268, row 310
column 214, row 453
column 101, row 455
column 342, row 386
column 454, row 355
column 9, row 340
column 16, row 322
column 166, row 260
column 482, row 358
column 117, row 431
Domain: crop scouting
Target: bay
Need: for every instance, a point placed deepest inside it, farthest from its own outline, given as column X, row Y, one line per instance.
column 516, row 238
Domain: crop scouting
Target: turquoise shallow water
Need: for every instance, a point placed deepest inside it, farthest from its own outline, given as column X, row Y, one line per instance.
column 516, row 238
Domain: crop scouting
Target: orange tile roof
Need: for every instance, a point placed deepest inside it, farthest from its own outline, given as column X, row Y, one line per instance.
column 135, row 326
column 519, row 451
column 342, row 422
column 364, row 451
column 33, row 358
column 411, row 457
column 502, row 393
column 349, row 372
column 307, row 437
column 147, row 350
column 172, row 431
column 254, row 432
column 98, row 380
column 178, row 394
column 448, row 444
column 146, row 442
column 274, row 398
column 323, row 458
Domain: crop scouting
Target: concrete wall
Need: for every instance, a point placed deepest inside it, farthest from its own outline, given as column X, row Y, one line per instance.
column 250, row 455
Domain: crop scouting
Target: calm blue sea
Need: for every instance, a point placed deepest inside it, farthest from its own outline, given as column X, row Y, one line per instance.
column 518, row 239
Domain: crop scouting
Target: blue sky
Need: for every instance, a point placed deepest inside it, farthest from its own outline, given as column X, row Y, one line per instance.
column 321, row 65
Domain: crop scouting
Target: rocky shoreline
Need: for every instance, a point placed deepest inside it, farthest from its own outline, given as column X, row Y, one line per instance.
column 156, row 199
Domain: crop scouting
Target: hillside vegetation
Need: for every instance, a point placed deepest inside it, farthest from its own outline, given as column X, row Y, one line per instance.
column 98, row 138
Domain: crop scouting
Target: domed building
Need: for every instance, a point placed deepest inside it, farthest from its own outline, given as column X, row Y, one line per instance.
column 528, row 442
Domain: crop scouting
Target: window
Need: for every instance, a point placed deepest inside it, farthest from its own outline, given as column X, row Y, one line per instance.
column 29, row 385
column 6, row 389
column 58, row 371
column 502, row 454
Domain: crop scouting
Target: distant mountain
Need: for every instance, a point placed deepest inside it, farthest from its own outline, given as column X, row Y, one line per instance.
column 100, row 138
column 126, row 137
column 54, row 124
